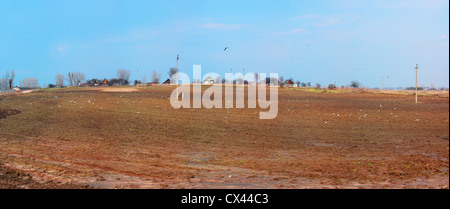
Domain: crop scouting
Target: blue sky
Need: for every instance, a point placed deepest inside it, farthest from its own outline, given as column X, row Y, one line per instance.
column 312, row 41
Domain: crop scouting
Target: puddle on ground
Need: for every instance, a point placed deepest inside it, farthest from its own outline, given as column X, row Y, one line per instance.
column 8, row 112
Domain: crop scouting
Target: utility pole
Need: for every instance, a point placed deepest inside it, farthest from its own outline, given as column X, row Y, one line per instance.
column 387, row 82
column 382, row 82
column 243, row 76
column 137, row 83
column 178, row 57
column 417, row 69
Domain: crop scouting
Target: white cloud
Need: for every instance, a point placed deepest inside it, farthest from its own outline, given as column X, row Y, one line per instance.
column 220, row 26
column 325, row 20
column 418, row 4
column 295, row 31
column 61, row 48
column 298, row 31
column 305, row 16
column 330, row 22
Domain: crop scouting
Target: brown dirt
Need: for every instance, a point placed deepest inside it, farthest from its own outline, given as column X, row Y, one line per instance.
column 137, row 140
column 17, row 179
column 8, row 112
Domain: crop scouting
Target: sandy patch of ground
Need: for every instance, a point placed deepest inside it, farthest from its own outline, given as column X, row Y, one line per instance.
column 119, row 89
column 27, row 91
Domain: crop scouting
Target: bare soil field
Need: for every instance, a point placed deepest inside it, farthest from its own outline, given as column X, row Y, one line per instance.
column 133, row 138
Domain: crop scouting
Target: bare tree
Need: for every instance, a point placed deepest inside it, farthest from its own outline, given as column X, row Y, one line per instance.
column 78, row 78
column 432, row 86
column 59, row 80
column 218, row 80
column 272, row 81
column 3, row 84
column 257, row 78
column 196, row 81
column 8, row 80
column 124, row 75
column 69, row 79
column 29, row 83
column 172, row 71
column 156, row 77
column 75, row 78
column 11, row 80
column 281, row 80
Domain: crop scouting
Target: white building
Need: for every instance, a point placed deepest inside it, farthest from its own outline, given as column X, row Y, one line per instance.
column 208, row 81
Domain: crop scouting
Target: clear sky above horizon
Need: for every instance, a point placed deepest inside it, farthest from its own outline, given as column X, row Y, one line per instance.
column 322, row 41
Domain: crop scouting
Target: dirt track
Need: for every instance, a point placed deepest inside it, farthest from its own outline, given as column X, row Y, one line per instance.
column 136, row 140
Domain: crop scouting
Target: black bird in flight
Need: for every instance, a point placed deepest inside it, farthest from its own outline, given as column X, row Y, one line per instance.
column 225, row 49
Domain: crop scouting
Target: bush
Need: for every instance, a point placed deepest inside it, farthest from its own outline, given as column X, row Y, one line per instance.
column 355, row 84
column 331, row 86
column 414, row 88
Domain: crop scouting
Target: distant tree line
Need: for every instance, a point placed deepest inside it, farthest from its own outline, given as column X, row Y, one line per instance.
column 123, row 78
column 31, row 83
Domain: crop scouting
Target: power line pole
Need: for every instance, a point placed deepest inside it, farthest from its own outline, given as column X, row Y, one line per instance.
column 417, row 69
column 178, row 57
column 382, row 82
column 137, row 81
column 387, row 82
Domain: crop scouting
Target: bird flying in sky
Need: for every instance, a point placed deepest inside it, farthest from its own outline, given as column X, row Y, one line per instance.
column 225, row 49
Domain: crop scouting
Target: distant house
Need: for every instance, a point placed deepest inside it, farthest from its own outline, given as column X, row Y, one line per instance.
column 288, row 83
column 208, row 81
column 105, row 82
column 16, row 89
column 167, row 81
